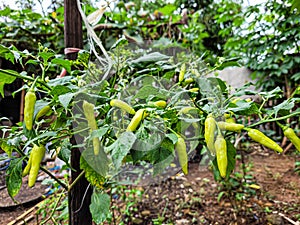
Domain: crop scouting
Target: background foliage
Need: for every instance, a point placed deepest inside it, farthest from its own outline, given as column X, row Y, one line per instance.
column 264, row 36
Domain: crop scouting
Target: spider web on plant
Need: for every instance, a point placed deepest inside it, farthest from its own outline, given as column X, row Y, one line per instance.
column 105, row 61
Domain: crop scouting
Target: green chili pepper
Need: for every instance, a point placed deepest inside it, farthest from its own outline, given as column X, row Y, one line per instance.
column 230, row 126
column 122, row 105
column 209, row 133
column 259, row 137
column 88, row 110
column 33, row 166
column 136, row 120
column 29, row 104
column 158, row 104
column 221, row 153
column 180, row 147
column 292, row 136
column 182, row 72
column 43, row 112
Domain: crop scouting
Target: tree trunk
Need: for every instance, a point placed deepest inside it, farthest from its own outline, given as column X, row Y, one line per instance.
column 79, row 197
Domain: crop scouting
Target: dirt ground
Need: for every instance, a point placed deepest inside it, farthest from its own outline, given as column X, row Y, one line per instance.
column 270, row 194
column 194, row 199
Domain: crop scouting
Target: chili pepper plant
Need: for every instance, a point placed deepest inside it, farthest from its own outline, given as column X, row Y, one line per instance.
column 152, row 111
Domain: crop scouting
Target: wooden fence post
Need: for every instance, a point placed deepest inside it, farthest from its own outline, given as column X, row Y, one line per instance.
column 79, row 197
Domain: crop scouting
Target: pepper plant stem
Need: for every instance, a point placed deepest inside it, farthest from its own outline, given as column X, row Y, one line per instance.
column 23, row 77
column 75, row 181
column 274, row 119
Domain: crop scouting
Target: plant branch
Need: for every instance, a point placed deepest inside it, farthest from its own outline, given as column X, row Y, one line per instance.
column 23, row 77
column 274, row 119
column 55, row 178
column 75, row 181
column 54, row 209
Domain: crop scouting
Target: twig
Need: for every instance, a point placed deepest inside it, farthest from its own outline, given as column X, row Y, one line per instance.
column 238, row 139
column 288, row 219
column 284, row 140
column 2, row 187
column 53, row 210
column 287, row 148
column 54, row 221
column 287, row 86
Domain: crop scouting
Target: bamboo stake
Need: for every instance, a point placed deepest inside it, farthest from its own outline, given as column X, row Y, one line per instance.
column 26, row 220
column 21, row 217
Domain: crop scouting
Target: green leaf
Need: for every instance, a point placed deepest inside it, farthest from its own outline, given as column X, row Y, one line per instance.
column 173, row 137
column 6, row 147
column 275, row 93
column 33, row 62
column 95, row 178
column 7, row 54
column 147, row 91
column 5, row 78
column 60, row 81
column 63, row 62
column 99, row 207
column 296, row 77
column 5, row 12
column 150, row 58
column 46, row 55
column 220, row 195
column 244, row 90
column 219, row 82
column 227, row 64
column 14, row 177
column 149, row 136
column 95, row 166
column 296, row 5
column 40, row 137
column 120, row 148
column 65, row 99
column 243, row 107
column 65, row 153
column 121, row 41
column 162, row 157
column 212, row 88
column 178, row 95
column 100, row 132
column 231, row 154
column 284, row 107
column 60, row 90
column 83, row 56
column 168, row 9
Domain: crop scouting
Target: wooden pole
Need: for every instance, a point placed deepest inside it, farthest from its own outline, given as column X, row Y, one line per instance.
column 80, row 195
